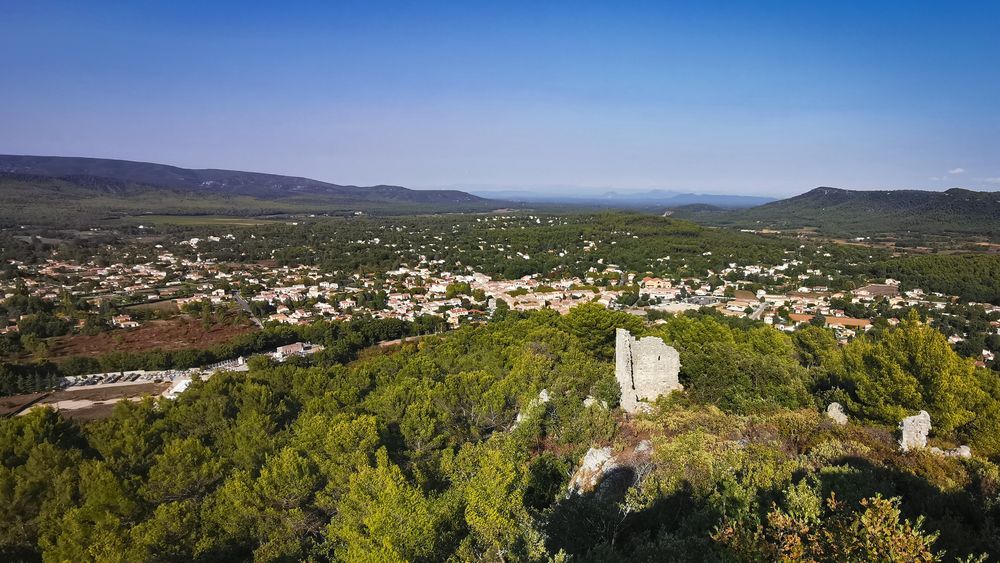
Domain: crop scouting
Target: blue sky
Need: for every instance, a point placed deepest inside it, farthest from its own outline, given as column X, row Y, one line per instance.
column 753, row 97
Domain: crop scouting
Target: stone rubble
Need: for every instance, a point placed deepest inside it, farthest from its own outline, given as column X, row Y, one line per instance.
column 835, row 412
column 913, row 431
column 543, row 395
column 543, row 398
column 961, row 451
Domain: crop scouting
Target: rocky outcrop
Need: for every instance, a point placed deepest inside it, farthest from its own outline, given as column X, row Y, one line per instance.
column 961, row 451
column 913, row 431
column 596, row 464
column 602, row 472
column 645, row 369
column 543, row 398
column 835, row 412
column 913, row 435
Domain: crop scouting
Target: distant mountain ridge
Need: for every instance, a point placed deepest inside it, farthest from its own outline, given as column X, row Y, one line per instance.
column 95, row 171
column 629, row 200
column 846, row 212
column 83, row 192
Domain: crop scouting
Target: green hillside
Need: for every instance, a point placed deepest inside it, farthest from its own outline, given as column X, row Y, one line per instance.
column 443, row 451
column 80, row 202
column 840, row 212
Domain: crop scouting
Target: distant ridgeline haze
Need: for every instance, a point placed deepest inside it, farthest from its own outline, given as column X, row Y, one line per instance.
column 52, row 190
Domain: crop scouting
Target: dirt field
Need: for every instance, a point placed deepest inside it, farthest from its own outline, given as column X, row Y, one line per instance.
column 169, row 306
column 95, row 412
column 176, row 334
column 83, row 404
column 105, row 393
column 14, row 403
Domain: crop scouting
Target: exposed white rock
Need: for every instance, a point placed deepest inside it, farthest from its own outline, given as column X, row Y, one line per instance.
column 961, row 451
column 603, row 473
column 543, row 398
column 913, row 431
column 835, row 412
column 590, row 401
column 597, row 463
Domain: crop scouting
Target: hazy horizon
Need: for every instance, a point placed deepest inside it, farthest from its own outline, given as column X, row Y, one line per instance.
column 744, row 98
column 562, row 190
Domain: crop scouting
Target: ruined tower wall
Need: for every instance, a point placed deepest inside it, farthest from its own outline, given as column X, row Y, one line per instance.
column 645, row 369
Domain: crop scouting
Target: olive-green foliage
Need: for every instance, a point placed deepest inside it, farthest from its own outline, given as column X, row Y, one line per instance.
column 788, row 486
column 391, row 456
column 412, row 454
column 738, row 370
column 805, row 531
column 895, row 373
column 383, row 517
column 595, row 327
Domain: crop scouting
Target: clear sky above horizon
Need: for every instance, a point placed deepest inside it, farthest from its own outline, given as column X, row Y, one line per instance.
column 755, row 97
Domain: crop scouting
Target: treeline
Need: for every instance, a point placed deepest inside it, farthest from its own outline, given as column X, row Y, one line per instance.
column 19, row 379
column 444, row 451
column 972, row 277
column 341, row 339
column 550, row 244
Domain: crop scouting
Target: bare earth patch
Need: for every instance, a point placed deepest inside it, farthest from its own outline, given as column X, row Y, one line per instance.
column 175, row 334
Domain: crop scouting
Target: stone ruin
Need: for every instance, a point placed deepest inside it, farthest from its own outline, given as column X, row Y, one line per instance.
column 913, row 431
column 645, row 369
column 835, row 412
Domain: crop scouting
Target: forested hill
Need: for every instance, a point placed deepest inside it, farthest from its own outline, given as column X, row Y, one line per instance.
column 445, row 451
column 39, row 183
column 230, row 182
column 846, row 212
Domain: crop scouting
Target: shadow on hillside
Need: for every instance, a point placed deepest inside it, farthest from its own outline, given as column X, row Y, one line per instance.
column 965, row 524
column 593, row 526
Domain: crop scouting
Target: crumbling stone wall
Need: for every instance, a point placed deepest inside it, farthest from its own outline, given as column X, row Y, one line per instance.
column 645, row 369
column 913, row 431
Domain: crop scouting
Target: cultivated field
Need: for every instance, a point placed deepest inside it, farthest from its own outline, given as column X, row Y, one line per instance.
column 175, row 334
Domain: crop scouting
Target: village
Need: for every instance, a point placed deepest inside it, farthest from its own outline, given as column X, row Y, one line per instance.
column 122, row 297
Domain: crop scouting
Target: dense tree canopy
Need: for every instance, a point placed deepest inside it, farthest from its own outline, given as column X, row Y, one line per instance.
column 441, row 449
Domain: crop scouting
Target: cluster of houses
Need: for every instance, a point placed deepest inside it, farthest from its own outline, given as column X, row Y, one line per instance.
column 303, row 293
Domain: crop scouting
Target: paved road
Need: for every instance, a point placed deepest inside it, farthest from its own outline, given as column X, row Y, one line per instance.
column 758, row 311
column 246, row 307
column 405, row 339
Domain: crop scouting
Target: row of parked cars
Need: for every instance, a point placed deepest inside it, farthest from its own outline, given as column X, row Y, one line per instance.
column 127, row 377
